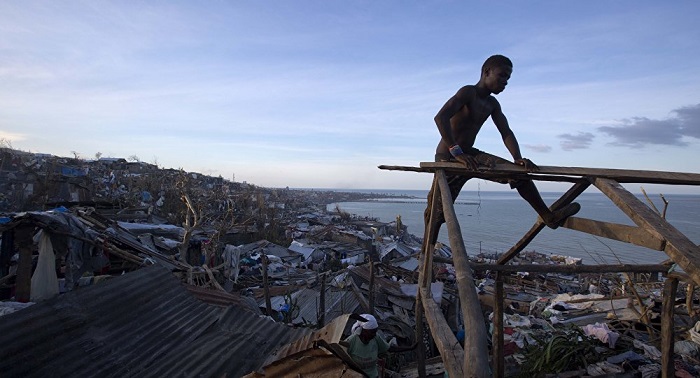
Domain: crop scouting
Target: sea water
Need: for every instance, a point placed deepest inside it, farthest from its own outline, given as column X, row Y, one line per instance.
column 494, row 221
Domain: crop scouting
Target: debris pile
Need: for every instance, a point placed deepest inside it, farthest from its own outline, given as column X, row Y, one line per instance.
column 229, row 278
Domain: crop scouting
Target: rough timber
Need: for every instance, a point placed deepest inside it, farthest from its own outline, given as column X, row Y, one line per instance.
column 651, row 231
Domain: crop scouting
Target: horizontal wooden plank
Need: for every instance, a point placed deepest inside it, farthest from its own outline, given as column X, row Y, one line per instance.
column 572, row 269
column 619, row 175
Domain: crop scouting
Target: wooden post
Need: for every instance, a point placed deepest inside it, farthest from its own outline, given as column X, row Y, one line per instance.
column 476, row 340
column 371, row 286
column 322, row 302
column 420, row 350
column 7, row 249
column 266, row 289
column 669, row 299
column 690, row 292
column 451, row 352
column 23, row 288
column 499, row 368
column 425, row 270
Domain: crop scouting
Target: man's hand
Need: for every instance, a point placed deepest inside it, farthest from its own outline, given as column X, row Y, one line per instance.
column 468, row 161
column 528, row 164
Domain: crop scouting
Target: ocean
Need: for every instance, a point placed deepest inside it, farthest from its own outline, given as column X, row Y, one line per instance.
column 493, row 221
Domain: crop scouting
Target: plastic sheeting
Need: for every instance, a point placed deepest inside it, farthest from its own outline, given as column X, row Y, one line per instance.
column 44, row 279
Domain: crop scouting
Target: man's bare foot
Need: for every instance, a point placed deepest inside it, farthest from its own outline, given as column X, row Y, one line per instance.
column 559, row 216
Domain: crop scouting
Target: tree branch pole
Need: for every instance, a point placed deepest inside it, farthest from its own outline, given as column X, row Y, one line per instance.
column 266, row 288
column 476, row 341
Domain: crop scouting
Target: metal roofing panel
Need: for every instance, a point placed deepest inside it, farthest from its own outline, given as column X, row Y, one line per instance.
column 144, row 323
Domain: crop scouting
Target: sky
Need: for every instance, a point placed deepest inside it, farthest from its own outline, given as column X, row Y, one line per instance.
column 317, row 94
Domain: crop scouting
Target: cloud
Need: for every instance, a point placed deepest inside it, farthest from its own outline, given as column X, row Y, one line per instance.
column 641, row 131
column 689, row 118
column 579, row 141
column 9, row 137
column 539, row 147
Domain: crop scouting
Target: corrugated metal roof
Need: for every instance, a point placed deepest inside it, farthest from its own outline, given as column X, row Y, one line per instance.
column 223, row 299
column 144, row 323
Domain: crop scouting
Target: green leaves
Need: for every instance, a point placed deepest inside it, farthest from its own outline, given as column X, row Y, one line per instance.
column 567, row 350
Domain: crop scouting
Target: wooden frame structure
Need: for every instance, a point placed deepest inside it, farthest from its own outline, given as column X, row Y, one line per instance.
column 651, row 231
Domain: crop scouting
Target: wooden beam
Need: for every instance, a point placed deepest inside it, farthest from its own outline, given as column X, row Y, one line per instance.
column 667, row 333
column 425, row 276
column 571, row 269
column 619, row 175
column 678, row 247
column 212, row 279
column 360, row 297
column 426, row 272
column 446, row 342
column 564, row 200
column 628, row 234
column 371, row 285
column 266, row 287
column 498, row 362
column 475, row 341
column 322, row 302
column 23, row 283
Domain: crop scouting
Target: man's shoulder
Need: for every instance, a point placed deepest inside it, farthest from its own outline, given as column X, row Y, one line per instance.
column 493, row 101
column 467, row 88
column 465, row 94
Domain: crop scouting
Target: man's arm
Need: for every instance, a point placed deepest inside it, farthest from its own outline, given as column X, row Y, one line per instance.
column 511, row 143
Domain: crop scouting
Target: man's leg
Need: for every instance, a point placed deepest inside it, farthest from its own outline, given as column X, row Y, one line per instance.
column 529, row 192
column 455, row 182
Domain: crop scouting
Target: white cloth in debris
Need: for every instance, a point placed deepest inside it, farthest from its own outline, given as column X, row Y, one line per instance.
column 44, row 283
column 694, row 333
column 359, row 325
column 602, row 333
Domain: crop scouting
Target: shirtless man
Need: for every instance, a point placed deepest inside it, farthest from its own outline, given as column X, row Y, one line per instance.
column 459, row 122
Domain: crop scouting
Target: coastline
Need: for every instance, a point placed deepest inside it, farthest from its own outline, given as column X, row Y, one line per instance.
column 497, row 220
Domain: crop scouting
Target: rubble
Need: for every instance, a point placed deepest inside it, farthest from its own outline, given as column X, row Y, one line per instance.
column 94, row 235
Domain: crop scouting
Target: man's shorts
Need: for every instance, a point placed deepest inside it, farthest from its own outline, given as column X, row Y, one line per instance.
column 483, row 158
column 456, row 182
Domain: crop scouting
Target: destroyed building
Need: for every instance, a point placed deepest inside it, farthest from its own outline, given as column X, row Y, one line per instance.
column 131, row 270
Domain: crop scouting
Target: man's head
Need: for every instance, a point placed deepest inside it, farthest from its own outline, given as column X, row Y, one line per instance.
column 367, row 335
column 496, row 61
column 495, row 73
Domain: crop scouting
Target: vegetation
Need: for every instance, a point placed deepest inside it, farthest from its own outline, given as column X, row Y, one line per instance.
column 569, row 349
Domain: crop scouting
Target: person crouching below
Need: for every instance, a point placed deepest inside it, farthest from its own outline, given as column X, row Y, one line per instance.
column 365, row 346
